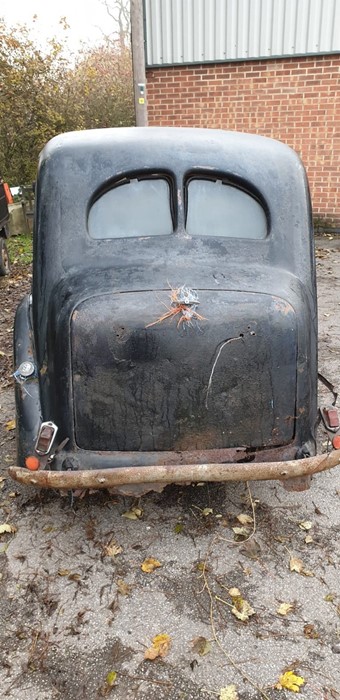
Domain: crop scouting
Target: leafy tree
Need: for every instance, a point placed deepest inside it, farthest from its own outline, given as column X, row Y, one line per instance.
column 100, row 87
column 29, row 107
column 43, row 94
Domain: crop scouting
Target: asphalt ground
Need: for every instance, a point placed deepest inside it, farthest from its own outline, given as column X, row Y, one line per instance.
column 75, row 604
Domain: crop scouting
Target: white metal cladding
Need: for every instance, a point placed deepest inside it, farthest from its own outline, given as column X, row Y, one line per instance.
column 191, row 31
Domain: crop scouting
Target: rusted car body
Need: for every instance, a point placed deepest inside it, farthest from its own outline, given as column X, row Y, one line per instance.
column 171, row 335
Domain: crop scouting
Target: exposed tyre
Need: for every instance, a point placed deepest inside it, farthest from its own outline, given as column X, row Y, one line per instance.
column 4, row 259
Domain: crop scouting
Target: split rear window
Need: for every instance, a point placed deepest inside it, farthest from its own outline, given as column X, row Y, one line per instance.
column 217, row 208
column 133, row 208
column 142, row 207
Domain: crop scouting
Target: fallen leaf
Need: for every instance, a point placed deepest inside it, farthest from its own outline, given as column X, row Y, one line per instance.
column 111, row 678
column 74, row 577
column 110, row 682
column 228, row 693
column 149, row 565
column 251, row 549
column 133, row 514
column 244, row 613
column 289, row 681
column 305, row 525
column 207, row 511
column 329, row 598
column 112, row 549
column 309, row 539
column 306, row 572
column 63, row 572
column 201, row 646
column 310, row 632
column 160, row 647
column 241, row 608
column 244, row 519
column 234, row 592
column 130, row 515
column 244, row 531
column 6, row 527
column 296, row 564
column 10, row 425
column 285, row 608
column 123, row 587
column 201, row 566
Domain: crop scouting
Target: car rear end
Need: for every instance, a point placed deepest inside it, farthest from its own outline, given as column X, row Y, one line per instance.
column 173, row 320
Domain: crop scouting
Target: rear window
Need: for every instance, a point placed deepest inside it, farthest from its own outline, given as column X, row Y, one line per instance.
column 218, row 208
column 136, row 207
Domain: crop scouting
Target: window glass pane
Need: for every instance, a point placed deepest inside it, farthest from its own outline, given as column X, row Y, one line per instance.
column 135, row 208
column 218, row 209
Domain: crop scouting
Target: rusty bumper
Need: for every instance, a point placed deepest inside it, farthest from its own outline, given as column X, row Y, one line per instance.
column 175, row 474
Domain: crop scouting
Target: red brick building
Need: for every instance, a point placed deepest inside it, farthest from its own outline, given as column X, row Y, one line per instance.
column 295, row 99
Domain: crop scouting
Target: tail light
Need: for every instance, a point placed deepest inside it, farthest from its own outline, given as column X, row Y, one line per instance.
column 45, row 439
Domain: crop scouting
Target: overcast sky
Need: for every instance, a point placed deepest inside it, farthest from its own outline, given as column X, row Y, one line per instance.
column 87, row 20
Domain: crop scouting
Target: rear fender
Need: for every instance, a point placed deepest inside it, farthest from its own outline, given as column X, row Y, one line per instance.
column 27, row 393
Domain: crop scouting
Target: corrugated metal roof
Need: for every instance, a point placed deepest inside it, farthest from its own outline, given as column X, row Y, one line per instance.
column 196, row 31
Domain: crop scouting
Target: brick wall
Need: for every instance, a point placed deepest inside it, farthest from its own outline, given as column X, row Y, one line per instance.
column 295, row 100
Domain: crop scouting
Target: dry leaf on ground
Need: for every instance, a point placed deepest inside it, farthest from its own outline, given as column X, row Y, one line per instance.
column 310, row 632
column 149, row 565
column 112, row 549
column 6, row 527
column 251, row 549
column 10, row 425
column 244, row 531
column 306, row 572
column 160, row 647
column 207, row 511
column 309, row 539
column 133, row 514
column 228, row 693
column 305, row 524
column 201, row 646
column 285, row 608
column 241, row 608
column 296, row 564
column 123, row 587
column 289, row 681
column 244, row 519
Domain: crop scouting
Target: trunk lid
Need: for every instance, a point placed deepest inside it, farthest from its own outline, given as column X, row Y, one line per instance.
column 226, row 381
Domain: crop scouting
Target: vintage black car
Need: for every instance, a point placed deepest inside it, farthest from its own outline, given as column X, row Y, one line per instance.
column 171, row 335
column 4, row 231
